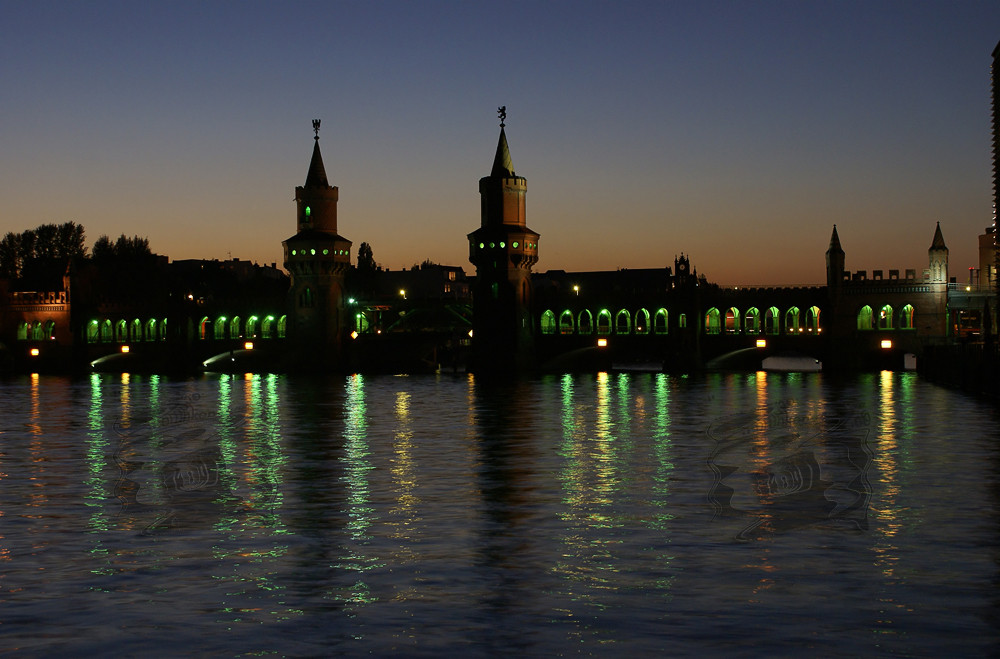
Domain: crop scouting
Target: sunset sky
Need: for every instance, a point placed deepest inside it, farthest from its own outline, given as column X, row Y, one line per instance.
column 736, row 132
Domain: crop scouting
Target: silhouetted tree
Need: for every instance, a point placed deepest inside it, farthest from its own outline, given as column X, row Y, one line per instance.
column 40, row 248
column 366, row 260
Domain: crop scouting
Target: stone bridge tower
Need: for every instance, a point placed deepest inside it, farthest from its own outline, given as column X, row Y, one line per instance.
column 503, row 249
column 317, row 258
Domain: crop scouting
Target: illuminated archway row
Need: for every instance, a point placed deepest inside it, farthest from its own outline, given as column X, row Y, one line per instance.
column 602, row 323
column 886, row 318
column 125, row 331
column 254, row 327
column 770, row 320
column 36, row 330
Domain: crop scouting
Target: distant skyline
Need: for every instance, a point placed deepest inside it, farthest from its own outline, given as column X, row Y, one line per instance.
column 736, row 133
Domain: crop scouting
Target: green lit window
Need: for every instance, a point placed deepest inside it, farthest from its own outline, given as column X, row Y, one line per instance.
column 514, row 244
column 502, row 245
column 492, row 245
column 906, row 317
column 712, row 325
column 771, row 318
column 660, row 325
column 308, row 211
column 566, row 322
column 313, row 252
column 548, row 322
column 732, row 320
column 865, row 320
column 604, row 322
column 325, row 252
column 585, row 322
column 481, row 245
column 293, row 252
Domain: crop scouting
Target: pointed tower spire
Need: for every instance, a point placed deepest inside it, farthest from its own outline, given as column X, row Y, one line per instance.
column 317, row 173
column 502, row 166
column 835, row 241
column 938, row 242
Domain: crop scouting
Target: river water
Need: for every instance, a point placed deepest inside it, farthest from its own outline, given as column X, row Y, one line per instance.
column 735, row 514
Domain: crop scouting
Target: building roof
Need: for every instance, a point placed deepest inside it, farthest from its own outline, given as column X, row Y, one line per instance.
column 317, row 173
column 938, row 242
column 502, row 166
column 835, row 241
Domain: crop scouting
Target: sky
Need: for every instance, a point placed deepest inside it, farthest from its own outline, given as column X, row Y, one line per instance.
column 737, row 133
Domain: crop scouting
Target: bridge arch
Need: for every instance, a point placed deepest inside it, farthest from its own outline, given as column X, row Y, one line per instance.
column 812, row 319
column 772, row 324
column 713, row 323
column 661, row 323
column 623, row 322
column 642, row 321
column 548, row 322
column 604, row 322
column 792, row 320
column 732, row 320
column 751, row 321
column 566, row 322
column 906, row 317
column 865, row 318
column 585, row 322
column 885, row 317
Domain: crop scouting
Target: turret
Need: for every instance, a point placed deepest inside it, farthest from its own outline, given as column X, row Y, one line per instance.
column 937, row 256
column 834, row 262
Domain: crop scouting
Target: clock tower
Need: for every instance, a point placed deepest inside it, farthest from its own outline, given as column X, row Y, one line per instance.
column 503, row 249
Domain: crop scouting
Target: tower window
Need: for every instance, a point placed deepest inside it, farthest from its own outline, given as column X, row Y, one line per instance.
column 308, row 213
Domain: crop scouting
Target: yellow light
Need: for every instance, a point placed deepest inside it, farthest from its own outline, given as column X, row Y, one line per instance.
column 470, row 334
column 354, row 334
column 886, row 344
column 248, row 345
column 602, row 343
column 402, row 293
column 124, row 348
column 33, row 352
column 761, row 343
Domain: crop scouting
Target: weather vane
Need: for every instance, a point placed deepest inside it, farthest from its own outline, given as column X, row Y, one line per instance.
column 502, row 113
column 316, row 128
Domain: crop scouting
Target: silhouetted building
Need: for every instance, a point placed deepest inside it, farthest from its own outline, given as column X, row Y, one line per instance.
column 317, row 258
column 503, row 249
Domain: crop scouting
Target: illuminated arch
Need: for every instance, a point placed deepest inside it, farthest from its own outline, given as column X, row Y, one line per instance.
column 585, row 322
column 151, row 329
column 135, row 330
column 22, row 331
column 865, row 319
column 793, row 319
column 121, row 331
column 267, row 328
column 204, row 327
column 235, row 327
column 751, row 321
column 252, row 324
column 163, row 330
column 885, row 318
column 771, row 321
column 906, row 315
column 623, row 322
column 107, row 334
column 566, row 322
column 219, row 328
column 642, row 322
column 548, row 322
column 604, row 322
column 712, row 322
column 49, row 331
column 93, row 331
column 281, row 326
column 732, row 320
column 661, row 323
column 812, row 319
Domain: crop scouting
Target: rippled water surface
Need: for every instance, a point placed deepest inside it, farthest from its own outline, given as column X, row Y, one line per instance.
column 599, row 514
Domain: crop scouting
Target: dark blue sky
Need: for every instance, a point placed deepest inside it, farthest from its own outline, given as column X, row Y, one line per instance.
column 738, row 133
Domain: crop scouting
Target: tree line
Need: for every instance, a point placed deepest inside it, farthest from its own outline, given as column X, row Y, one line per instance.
column 58, row 243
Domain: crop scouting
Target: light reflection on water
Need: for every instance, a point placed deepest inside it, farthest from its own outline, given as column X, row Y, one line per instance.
column 730, row 513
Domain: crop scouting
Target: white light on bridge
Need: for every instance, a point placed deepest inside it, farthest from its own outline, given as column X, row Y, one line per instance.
column 602, row 343
column 248, row 345
column 125, row 349
column 761, row 343
column 886, row 344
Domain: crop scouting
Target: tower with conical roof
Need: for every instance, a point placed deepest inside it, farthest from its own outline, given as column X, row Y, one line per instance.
column 937, row 256
column 317, row 258
column 834, row 262
column 503, row 249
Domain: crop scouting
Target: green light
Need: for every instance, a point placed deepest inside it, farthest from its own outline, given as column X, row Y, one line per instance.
column 502, row 245
column 514, row 244
column 492, row 245
column 313, row 252
column 308, row 211
column 325, row 252
column 481, row 245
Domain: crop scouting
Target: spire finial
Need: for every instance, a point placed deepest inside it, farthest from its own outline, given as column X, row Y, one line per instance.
column 316, row 128
column 502, row 113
